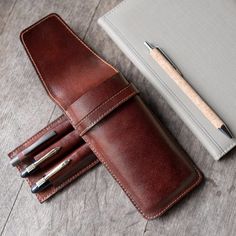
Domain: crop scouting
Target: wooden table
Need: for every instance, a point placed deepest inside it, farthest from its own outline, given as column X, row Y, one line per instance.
column 94, row 204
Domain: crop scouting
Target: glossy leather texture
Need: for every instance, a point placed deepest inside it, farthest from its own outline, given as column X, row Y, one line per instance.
column 79, row 159
column 61, row 127
column 66, row 144
column 137, row 150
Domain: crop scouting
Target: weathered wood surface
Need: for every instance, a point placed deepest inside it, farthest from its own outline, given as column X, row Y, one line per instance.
column 94, row 204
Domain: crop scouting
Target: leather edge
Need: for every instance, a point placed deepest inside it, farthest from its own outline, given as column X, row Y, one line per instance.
column 67, row 181
column 39, row 133
column 50, row 94
column 159, row 212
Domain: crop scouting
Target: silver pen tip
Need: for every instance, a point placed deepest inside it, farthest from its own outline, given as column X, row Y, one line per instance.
column 15, row 161
column 225, row 130
column 148, row 45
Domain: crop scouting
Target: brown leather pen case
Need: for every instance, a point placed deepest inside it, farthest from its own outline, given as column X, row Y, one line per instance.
column 136, row 149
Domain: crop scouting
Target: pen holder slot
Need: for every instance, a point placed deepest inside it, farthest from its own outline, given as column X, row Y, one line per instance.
column 59, row 149
column 71, row 143
column 41, row 140
column 79, row 159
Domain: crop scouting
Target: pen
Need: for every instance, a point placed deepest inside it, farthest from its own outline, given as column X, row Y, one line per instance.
column 45, row 182
column 78, row 160
column 46, row 157
column 58, row 131
column 23, row 154
column 173, row 72
column 34, row 166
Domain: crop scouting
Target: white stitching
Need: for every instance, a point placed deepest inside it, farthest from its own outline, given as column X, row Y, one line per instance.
column 18, row 149
column 36, row 68
column 99, row 155
column 50, row 93
column 66, row 182
column 98, row 107
column 159, row 212
column 107, row 112
column 73, row 33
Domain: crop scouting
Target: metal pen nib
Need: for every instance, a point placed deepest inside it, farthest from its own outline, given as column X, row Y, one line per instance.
column 31, row 168
column 44, row 182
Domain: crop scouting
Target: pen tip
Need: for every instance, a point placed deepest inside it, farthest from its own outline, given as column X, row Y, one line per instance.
column 34, row 189
column 56, row 149
column 66, row 161
column 15, row 161
column 148, row 45
column 24, row 173
column 225, row 130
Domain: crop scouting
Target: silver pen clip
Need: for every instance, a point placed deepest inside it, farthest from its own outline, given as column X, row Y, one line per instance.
column 51, row 153
column 58, row 168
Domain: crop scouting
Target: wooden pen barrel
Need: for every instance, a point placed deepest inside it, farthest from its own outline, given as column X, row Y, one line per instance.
column 186, row 88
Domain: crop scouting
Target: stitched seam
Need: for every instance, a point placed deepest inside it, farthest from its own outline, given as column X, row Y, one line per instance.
column 71, row 31
column 69, row 117
column 159, row 212
column 36, row 68
column 31, row 139
column 102, row 104
column 107, row 112
column 66, row 182
column 48, row 127
column 213, row 141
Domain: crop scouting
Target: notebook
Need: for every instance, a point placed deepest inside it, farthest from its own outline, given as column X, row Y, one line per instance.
column 200, row 37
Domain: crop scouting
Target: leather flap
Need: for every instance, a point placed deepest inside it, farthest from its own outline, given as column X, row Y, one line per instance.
column 97, row 103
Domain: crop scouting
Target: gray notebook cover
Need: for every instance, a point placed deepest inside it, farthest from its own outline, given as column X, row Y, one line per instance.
column 200, row 37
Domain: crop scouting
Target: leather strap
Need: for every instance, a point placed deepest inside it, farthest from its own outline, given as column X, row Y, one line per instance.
column 97, row 103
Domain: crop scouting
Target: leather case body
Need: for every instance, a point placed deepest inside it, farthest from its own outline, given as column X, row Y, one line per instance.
column 107, row 111
column 71, row 146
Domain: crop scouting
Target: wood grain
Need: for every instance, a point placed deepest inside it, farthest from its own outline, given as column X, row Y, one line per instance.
column 185, row 87
column 94, row 204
